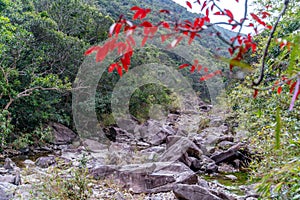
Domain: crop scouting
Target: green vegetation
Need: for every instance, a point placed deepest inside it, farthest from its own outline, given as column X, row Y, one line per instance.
column 41, row 48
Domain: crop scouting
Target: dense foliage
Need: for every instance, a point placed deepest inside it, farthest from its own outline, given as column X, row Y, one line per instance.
column 41, row 48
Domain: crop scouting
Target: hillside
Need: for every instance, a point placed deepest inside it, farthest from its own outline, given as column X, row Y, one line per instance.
column 118, row 7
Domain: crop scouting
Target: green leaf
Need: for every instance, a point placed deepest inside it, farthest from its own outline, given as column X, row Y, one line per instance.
column 236, row 63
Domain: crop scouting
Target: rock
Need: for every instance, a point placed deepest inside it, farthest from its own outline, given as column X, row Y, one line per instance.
column 9, row 164
column 28, row 162
column 3, row 170
column 3, row 195
column 102, row 171
column 193, row 192
column 7, row 190
column 226, row 168
column 226, row 156
column 94, row 146
column 147, row 178
column 225, row 145
column 177, row 146
column 45, row 162
column 7, row 178
column 231, row 177
column 211, row 168
column 61, row 134
column 153, row 132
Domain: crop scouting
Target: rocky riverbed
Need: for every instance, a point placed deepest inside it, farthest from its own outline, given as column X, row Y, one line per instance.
column 159, row 159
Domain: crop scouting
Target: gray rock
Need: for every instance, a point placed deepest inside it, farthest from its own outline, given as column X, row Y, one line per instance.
column 229, row 155
column 93, row 145
column 9, row 164
column 102, row 171
column 153, row 132
column 225, row 168
column 193, row 192
column 45, row 161
column 177, row 146
column 7, row 190
column 147, row 178
column 225, row 145
column 231, row 177
column 61, row 134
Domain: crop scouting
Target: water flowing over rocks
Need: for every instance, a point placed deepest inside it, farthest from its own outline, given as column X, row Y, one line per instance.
column 160, row 159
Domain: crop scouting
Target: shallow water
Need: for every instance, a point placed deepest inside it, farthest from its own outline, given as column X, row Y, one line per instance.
column 19, row 160
column 243, row 178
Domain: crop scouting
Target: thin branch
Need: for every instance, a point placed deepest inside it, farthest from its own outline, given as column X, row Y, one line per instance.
column 278, row 84
column 262, row 70
column 242, row 23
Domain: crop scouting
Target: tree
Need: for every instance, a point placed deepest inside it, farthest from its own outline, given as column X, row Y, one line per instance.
column 39, row 57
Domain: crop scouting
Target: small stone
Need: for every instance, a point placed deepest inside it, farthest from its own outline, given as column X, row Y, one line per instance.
column 231, row 177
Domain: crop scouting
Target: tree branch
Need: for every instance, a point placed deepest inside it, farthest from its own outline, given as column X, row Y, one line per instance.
column 262, row 70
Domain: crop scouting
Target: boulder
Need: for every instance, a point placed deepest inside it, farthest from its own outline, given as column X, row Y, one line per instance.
column 9, row 164
column 153, row 132
column 147, row 178
column 61, row 134
column 45, row 161
column 229, row 155
column 194, row 192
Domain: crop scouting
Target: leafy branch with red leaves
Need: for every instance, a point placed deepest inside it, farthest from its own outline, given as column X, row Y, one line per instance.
column 238, row 45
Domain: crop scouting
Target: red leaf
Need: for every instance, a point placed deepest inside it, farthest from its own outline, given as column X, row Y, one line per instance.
column 279, row 90
column 112, row 67
column 205, row 69
column 101, row 54
column 193, row 68
column 218, row 72
column 146, row 24
column 229, row 13
column 293, row 87
column 165, row 37
column 265, row 14
column 230, row 51
column 166, row 25
column 199, row 68
column 233, row 27
column 256, row 18
column 218, row 13
column 165, row 11
column 269, row 27
column 189, row 4
column 192, row 36
column 140, row 12
column 207, row 12
column 117, row 28
column 144, row 41
column 91, row 50
column 183, row 66
column 119, row 70
column 255, row 93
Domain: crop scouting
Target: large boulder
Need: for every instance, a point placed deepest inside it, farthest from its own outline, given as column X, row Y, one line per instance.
column 193, row 192
column 61, row 134
column 153, row 132
column 147, row 178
